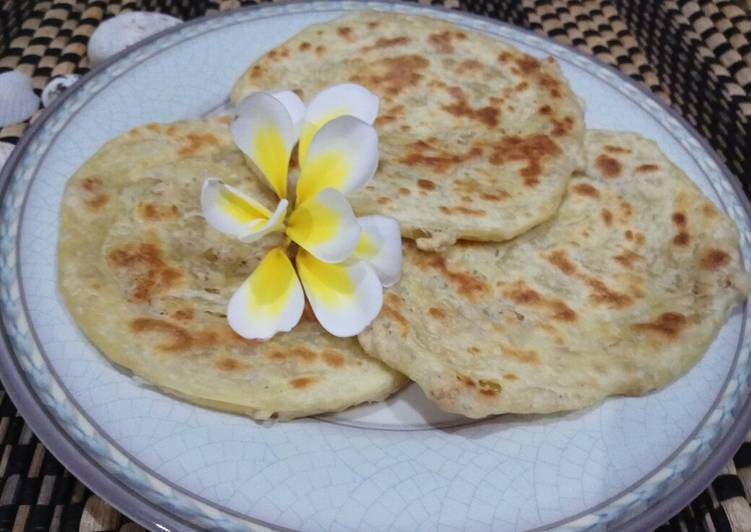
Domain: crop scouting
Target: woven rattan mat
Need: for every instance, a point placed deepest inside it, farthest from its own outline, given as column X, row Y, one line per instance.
column 695, row 55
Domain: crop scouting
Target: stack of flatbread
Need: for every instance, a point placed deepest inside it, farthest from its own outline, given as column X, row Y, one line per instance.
column 545, row 267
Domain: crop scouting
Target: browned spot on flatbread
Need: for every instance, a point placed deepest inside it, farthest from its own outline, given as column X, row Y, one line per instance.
column 466, row 284
column 345, row 32
column 333, row 359
column 469, row 65
column 383, row 200
column 561, row 311
column 373, row 24
column 300, row 354
column 627, row 258
column 196, row 142
column 154, row 212
column 628, row 234
column 522, row 355
column 504, row 57
column 510, row 376
column 441, row 42
column 552, row 85
column 391, row 306
column 404, row 191
column 640, row 238
column 679, row 219
column 585, row 189
column 608, row 166
column 532, row 150
column 473, row 349
column 320, row 49
column 521, row 294
column 391, row 115
column 436, row 313
column 422, row 153
column 626, row 210
column 562, row 127
column 302, row 382
column 682, row 239
column 709, row 210
column 546, row 110
column 559, row 259
column 495, row 196
column 257, row 71
column 713, row 259
column 615, row 149
column 488, row 392
column 487, row 115
column 461, row 209
column 521, row 86
column 391, row 75
column 95, row 197
column 383, row 42
column 527, row 64
column 607, row 216
column 603, row 294
column 304, row 46
column 183, row 314
column 426, row 184
column 230, row 364
column 667, row 324
column 647, row 168
column 178, row 339
column 146, row 270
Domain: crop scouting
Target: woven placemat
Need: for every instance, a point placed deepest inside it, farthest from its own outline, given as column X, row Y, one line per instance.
column 694, row 55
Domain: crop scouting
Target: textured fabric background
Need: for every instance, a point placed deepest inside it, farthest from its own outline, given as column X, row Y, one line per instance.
column 694, row 55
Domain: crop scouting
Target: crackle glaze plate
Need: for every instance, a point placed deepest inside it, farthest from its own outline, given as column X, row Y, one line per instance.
column 628, row 464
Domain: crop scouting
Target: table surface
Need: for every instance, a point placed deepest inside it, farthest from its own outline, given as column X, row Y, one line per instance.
column 694, row 55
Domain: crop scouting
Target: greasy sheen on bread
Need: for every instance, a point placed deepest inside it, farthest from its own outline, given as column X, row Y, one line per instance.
column 619, row 294
column 148, row 281
column 477, row 139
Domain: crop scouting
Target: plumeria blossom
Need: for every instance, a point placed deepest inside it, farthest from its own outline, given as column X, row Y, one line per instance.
column 341, row 262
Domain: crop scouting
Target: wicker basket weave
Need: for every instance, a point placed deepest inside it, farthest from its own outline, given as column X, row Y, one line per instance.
column 695, row 55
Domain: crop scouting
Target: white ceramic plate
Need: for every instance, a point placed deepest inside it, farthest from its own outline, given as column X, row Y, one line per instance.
column 629, row 463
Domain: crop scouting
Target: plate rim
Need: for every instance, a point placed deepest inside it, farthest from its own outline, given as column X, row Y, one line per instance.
column 42, row 415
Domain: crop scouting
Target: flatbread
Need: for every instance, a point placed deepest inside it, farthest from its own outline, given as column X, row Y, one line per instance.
column 477, row 139
column 148, row 281
column 620, row 293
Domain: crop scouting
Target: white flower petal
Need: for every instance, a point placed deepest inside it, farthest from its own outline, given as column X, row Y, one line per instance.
column 295, row 107
column 335, row 101
column 265, row 133
column 343, row 155
column 345, row 297
column 271, row 300
column 380, row 245
column 325, row 226
column 228, row 210
column 273, row 224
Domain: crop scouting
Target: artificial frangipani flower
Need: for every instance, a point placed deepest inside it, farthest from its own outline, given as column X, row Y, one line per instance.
column 341, row 262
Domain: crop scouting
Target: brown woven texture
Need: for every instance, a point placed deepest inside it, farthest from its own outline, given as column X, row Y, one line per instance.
column 694, row 55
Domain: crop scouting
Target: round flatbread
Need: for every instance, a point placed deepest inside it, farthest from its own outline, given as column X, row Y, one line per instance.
column 148, row 281
column 477, row 139
column 620, row 293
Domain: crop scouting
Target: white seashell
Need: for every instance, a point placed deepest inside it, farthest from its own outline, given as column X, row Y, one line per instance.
column 17, row 99
column 117, row 33
column 5, row 149
column 56, row 87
